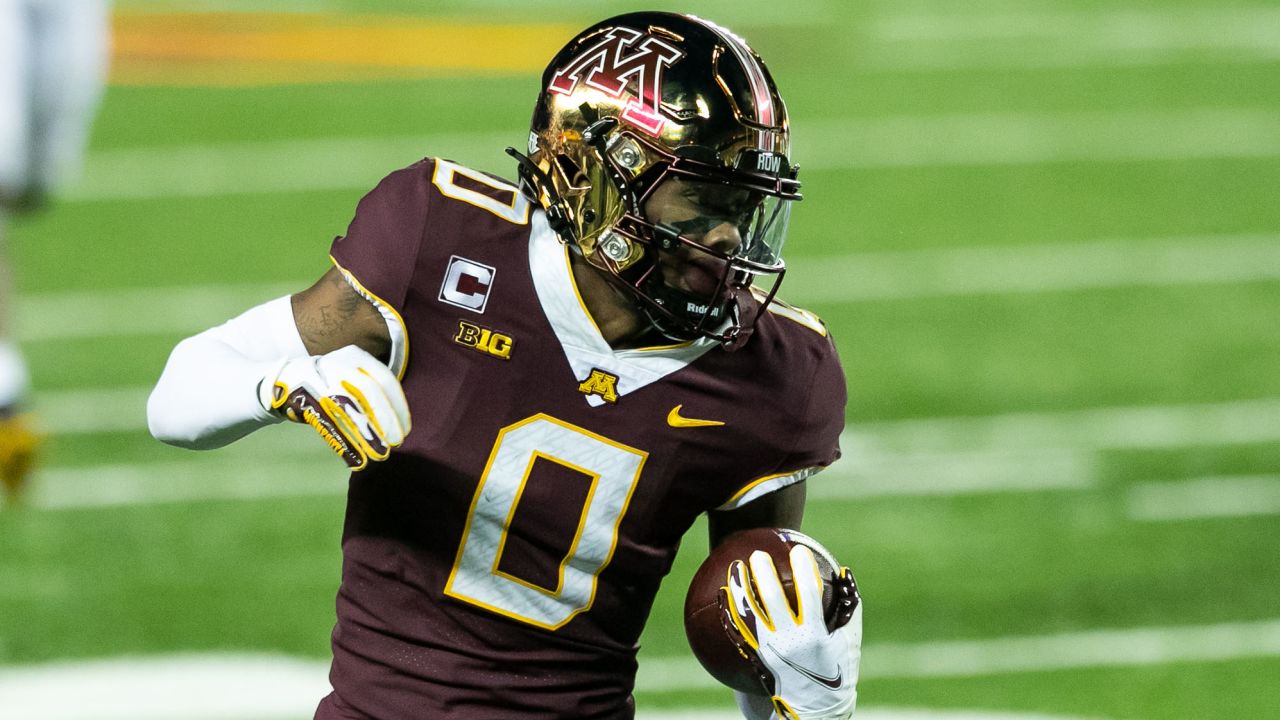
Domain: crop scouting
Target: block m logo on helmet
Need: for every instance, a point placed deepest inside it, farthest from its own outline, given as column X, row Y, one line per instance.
column 623, row 56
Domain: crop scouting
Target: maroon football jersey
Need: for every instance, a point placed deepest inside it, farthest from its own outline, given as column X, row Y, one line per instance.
column 503, row 561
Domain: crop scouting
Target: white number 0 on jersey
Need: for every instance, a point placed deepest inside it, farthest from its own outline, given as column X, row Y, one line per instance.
column 514, row 208
column 614, row 470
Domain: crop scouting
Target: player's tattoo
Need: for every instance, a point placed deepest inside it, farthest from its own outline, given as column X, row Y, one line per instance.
column 331, row 315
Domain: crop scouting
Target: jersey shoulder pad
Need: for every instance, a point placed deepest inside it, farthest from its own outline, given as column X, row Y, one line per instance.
column 488, row 192
column 783, row 309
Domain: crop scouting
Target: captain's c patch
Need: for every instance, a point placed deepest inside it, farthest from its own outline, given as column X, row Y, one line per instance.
column 467, row 284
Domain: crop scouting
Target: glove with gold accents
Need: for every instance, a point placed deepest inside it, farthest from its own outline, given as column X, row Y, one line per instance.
column 347, row 396
column 814, row 669
column 18, row 443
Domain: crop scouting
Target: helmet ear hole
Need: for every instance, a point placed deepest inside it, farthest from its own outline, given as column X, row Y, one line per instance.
column 571, row 171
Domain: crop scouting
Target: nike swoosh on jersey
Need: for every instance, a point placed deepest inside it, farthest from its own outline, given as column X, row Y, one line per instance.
column 674, row 419
column 831, row 682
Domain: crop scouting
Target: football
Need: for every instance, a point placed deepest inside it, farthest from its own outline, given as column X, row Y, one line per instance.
column 714, row 641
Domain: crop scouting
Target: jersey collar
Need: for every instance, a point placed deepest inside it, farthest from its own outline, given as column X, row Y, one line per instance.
column 584, row 347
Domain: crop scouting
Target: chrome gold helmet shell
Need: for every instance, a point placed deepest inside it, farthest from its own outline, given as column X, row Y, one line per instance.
column 640, row 98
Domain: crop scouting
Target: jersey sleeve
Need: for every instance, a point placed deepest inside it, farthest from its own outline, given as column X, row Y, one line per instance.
column 815, row 442
column 379, row 251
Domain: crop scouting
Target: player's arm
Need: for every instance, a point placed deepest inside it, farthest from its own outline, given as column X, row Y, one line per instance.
column 805, row 642
column 309, row 358
column 331, row 315
column 781, row 508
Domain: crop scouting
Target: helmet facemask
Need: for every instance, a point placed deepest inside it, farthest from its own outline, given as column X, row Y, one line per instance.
column 704, row 234
column 607, row 183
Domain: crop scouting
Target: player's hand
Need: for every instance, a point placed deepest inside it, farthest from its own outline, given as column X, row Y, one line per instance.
column 347, row 396
column 814, row 670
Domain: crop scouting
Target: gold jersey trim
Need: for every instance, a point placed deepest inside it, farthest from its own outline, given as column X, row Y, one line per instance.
column 767, row 484
column 584, row 347
column 573, row 283
column 399, row 359
column 795, row 314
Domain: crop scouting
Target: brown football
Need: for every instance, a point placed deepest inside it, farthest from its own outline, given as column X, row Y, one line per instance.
column 716, row 644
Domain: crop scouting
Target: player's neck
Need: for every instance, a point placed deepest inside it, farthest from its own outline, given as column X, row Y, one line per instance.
column 621, row 324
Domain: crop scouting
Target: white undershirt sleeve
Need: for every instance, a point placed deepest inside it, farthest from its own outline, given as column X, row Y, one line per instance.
column 207, row 395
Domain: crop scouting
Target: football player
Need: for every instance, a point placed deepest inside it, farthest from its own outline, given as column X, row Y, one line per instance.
column 53, row 58
column 540, row 386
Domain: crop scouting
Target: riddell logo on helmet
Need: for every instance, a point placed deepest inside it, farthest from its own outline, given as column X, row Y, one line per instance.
column 619, row 58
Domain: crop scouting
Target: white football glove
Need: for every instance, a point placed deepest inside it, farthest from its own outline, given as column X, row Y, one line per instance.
column 347, row 396
column 814, row 670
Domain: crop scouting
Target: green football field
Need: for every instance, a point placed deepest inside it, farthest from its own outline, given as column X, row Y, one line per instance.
column 1045, row 235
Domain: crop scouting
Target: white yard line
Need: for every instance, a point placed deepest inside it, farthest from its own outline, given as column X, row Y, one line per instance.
column 1017, row 452
column 762, row 15
column 252, row 168
column 226, row 476
column 1015, row 38
column 357, row 163
column 1209, row 497
column 1134, row 427
column 138, row 311
column 871, row 474
column 849, row 278
column 865, row 713
column 70, row 412
column 1089, row 649
column 1036, row 452
column 1168, row 27
column 267, row 687
column 284, row 461
column 304, row 469
column 995, row 139
column 92, row 410
column 1244, row 28
column 1040, row 268
column 193, row 687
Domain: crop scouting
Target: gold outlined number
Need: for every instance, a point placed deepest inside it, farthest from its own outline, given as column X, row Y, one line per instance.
column 614, row 469
column 516, row 210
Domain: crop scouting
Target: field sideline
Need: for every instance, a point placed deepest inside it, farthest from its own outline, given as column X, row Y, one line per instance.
column 1044, row 237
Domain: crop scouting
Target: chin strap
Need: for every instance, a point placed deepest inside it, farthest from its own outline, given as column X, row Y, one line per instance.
column 744, row 311
column 678, row 302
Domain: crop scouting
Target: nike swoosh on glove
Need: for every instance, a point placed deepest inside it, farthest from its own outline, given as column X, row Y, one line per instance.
column 814, row 670
column 347, row 396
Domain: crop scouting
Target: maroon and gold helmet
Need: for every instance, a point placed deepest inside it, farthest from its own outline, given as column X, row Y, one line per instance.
column 637, row 100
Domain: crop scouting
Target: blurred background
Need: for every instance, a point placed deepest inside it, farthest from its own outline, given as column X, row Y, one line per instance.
column 1045, row 236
